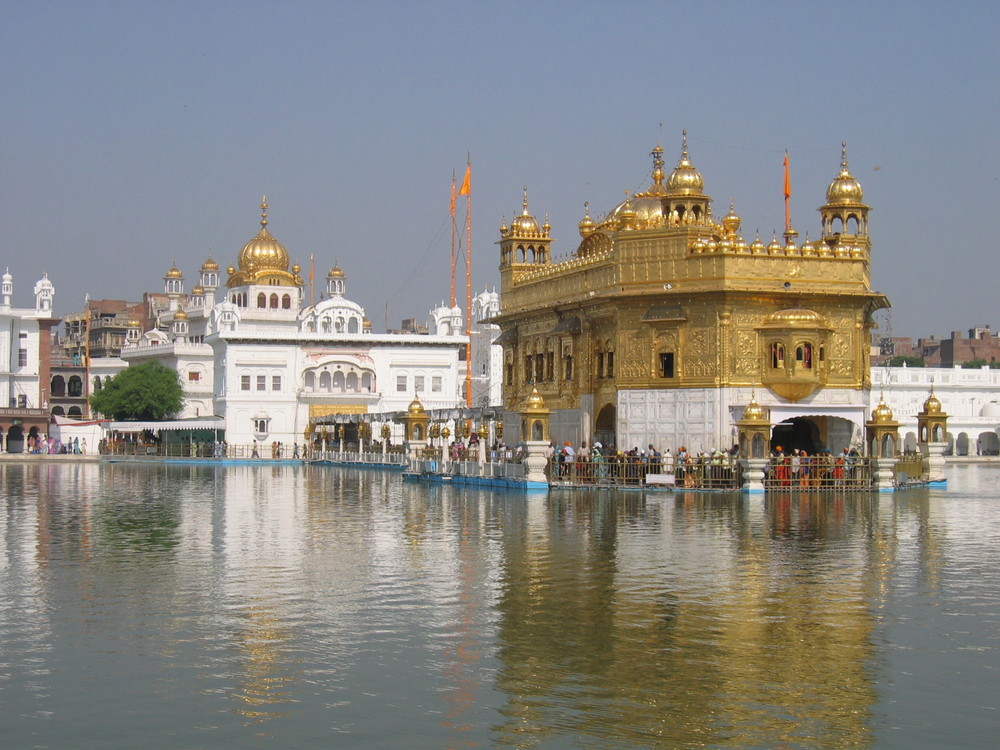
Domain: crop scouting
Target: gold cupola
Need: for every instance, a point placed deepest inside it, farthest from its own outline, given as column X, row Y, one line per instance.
column 263, row 251
column 174, row 273
column 210, row 265
column 844, row 188
column 263, row 260
column 586, row 223
column 881, row 413
column 685, row 179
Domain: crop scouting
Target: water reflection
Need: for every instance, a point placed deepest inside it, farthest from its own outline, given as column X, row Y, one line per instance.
column 276, row 602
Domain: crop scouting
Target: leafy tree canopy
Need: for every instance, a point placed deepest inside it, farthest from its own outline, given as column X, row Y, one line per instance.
column 146, row 391
column 904, row 361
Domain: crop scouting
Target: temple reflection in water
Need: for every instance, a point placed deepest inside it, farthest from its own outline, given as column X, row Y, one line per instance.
column 632, row 619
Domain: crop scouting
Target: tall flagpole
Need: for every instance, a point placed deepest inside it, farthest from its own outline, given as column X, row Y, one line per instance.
column 453, row 230
column 466, row 190
column 789, row 232
column 312, row 279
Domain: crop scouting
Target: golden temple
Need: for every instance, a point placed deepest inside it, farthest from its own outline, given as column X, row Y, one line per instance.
column 659, row 326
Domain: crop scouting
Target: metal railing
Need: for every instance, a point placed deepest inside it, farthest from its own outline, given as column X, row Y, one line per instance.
column 692, row 472
column 819, row 472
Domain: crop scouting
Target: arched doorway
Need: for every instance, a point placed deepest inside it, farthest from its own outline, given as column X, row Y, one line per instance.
column 814, row 434
column 798, row 433
column 605, row 426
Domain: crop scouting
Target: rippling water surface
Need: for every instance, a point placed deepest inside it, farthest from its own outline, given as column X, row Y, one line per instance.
column 165, row 606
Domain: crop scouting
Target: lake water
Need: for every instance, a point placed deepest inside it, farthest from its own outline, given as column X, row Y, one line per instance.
column 162, row 606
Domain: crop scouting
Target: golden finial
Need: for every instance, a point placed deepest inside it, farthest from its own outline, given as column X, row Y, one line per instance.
column 524, row 202
column 843, row 155
column 263, row 211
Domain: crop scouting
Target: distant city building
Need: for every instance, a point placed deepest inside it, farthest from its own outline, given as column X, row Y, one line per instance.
column 979, row 345
column 273, row 366
column 25, row 361
column 665, row 323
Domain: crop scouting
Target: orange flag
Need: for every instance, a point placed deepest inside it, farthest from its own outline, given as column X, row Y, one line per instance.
column 453, row 195
column 467, row 181
column 788, row 179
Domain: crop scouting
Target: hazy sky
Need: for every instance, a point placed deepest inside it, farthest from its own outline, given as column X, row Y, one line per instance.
column 136, row 134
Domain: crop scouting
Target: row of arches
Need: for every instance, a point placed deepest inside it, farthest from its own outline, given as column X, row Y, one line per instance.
column 339, row 381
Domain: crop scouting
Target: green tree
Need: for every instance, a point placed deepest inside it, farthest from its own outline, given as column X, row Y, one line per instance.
column 974, row 364
column 902, row 360
column 146, row 391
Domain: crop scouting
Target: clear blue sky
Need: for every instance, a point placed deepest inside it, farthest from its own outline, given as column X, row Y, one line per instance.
column 136, row 134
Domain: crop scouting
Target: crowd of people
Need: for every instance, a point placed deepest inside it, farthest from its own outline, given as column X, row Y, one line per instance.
column 599, row 463
column 798, row 468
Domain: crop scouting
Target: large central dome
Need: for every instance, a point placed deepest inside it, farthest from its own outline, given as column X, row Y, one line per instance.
column 263, row 251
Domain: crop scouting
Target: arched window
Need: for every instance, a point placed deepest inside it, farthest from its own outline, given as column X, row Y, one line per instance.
column 324, row 382
column 58, row 386
column 274, row 301
column 286, row 302
column 75, row 386
column 74, row 411
column 58, row 410
column 367, row 382
column 352, row 382
column 353, row 326
column 803, row 355
column 262, row 300
column 310, row 381
column 777, row 355
column 327, row 325
column 97, row 383
column 338, row 382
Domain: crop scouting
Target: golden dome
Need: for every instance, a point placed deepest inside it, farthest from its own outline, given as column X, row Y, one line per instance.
column 535, row 401
column 844, row 189
column 753, row 410
column 134, row 323
column 263, row 251
column 795, row 317
column 881, row 413
column 685, row 179
column 757, row 247
column 774, row 248
column 731, row 222
column 932, row 405
column 525, row 223
column 174, row 273
column 586, row 223
column 198, row 290
column 415, row 407
column 180, row 315
column 335, row 273
column 210, row 265
column 626, row 214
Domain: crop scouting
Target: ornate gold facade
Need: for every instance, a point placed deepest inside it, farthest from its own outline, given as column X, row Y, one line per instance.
column 660, row 294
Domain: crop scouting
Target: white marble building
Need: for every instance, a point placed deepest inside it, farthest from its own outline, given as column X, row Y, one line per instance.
column 970, row 398
column 257, row 354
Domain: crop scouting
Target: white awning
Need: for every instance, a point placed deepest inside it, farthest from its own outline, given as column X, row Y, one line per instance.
column 208, row 423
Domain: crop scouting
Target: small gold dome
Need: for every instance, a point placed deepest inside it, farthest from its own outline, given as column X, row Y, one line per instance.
column 525, row 223
column 198, row 290
column 415, row 407
column 626, row 214
column 134, row 323
column 881, row 413
column 535, row 401
column 174, row 273
column 795, row 317
column 731, row 222
column 210, row 265
column 180, row 315
column 336, row 273
column 263, row 251
column 586, row 223
column 844, row 189
column 932, row 405
column 774, row 248
column 685, row 179
column 753, row 410
column 758, row 247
